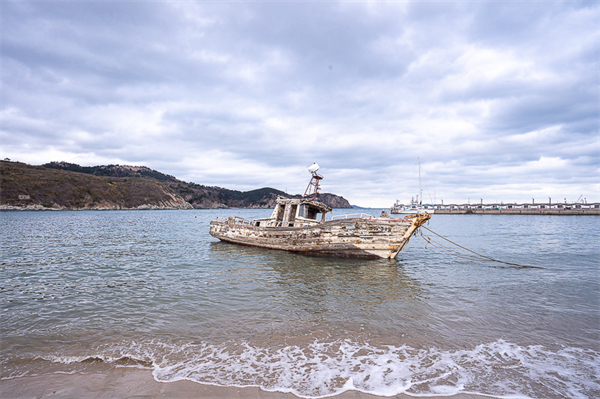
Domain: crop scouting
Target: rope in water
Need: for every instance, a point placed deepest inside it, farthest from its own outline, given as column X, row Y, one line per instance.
column 478, row 256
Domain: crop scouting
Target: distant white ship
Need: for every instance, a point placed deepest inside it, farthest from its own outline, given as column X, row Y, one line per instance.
column 415, row 206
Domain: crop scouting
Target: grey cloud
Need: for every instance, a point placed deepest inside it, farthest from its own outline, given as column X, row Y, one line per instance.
column 361, row 88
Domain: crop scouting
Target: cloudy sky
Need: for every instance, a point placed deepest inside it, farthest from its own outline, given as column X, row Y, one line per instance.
column 499, row 100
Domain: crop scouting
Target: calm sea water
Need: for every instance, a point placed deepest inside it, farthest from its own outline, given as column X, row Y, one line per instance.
column 88, row 291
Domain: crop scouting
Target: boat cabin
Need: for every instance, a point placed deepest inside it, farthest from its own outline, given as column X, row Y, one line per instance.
column 295, row 212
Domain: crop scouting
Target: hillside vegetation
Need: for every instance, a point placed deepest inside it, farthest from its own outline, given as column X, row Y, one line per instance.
column 61, row 185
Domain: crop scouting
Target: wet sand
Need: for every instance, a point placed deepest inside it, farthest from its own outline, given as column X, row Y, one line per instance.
column 138, row 383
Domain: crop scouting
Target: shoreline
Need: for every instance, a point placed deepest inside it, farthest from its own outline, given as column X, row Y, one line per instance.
column 134, row 382
column 537, row 212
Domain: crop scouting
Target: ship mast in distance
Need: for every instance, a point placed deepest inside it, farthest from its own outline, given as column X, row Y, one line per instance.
column 420, row 199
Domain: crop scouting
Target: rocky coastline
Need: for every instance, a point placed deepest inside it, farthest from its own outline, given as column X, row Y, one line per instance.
column 64, row 186
column 98, row 207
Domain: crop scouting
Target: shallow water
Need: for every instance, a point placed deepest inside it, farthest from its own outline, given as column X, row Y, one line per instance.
column 90, row 290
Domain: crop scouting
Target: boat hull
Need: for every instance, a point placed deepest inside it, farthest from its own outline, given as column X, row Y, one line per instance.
column 355, row 238
column 411, row 211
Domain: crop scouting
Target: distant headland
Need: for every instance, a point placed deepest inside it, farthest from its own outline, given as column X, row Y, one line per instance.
column 67, row 186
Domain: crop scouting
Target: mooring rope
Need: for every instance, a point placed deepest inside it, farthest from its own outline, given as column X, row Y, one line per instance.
column 450, row 250
column 479, row 256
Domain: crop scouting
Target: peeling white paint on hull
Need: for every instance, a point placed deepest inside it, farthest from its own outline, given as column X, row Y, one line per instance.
column 356, row 237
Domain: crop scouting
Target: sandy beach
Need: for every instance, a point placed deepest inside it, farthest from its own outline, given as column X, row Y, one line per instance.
column 138, row 383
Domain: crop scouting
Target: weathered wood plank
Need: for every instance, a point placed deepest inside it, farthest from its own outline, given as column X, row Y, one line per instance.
column 374, row 237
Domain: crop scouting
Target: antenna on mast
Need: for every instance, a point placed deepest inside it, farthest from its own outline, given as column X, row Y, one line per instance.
column 313, row 187
column 420, row 189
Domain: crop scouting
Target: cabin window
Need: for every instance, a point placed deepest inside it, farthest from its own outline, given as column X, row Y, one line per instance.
column 302, row 211
column 280, row 210
column 312, row 213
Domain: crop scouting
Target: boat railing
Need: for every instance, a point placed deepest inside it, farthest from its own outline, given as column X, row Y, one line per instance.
column 353, row 216
column 234, row 220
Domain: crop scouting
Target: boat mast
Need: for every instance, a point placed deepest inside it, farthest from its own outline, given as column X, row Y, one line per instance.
column 313, row 186
column 420, row 200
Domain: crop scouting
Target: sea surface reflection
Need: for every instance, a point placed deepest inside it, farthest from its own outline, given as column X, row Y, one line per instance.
column 82, row 291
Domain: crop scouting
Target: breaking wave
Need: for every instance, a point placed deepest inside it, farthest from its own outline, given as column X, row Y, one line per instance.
column 322, row 369
column 125, row 361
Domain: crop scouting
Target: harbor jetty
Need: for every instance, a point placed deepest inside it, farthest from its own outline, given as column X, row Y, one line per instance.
column 518, row 209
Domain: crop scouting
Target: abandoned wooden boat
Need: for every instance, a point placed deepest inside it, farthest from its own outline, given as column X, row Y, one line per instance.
column 299, row 225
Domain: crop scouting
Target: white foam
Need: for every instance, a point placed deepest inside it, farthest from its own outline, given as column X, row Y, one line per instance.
column 329, row 368
column 323, row 369
column 124, row 360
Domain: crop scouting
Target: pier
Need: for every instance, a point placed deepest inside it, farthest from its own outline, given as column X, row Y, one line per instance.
column 517, row 209
column 589, row 212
